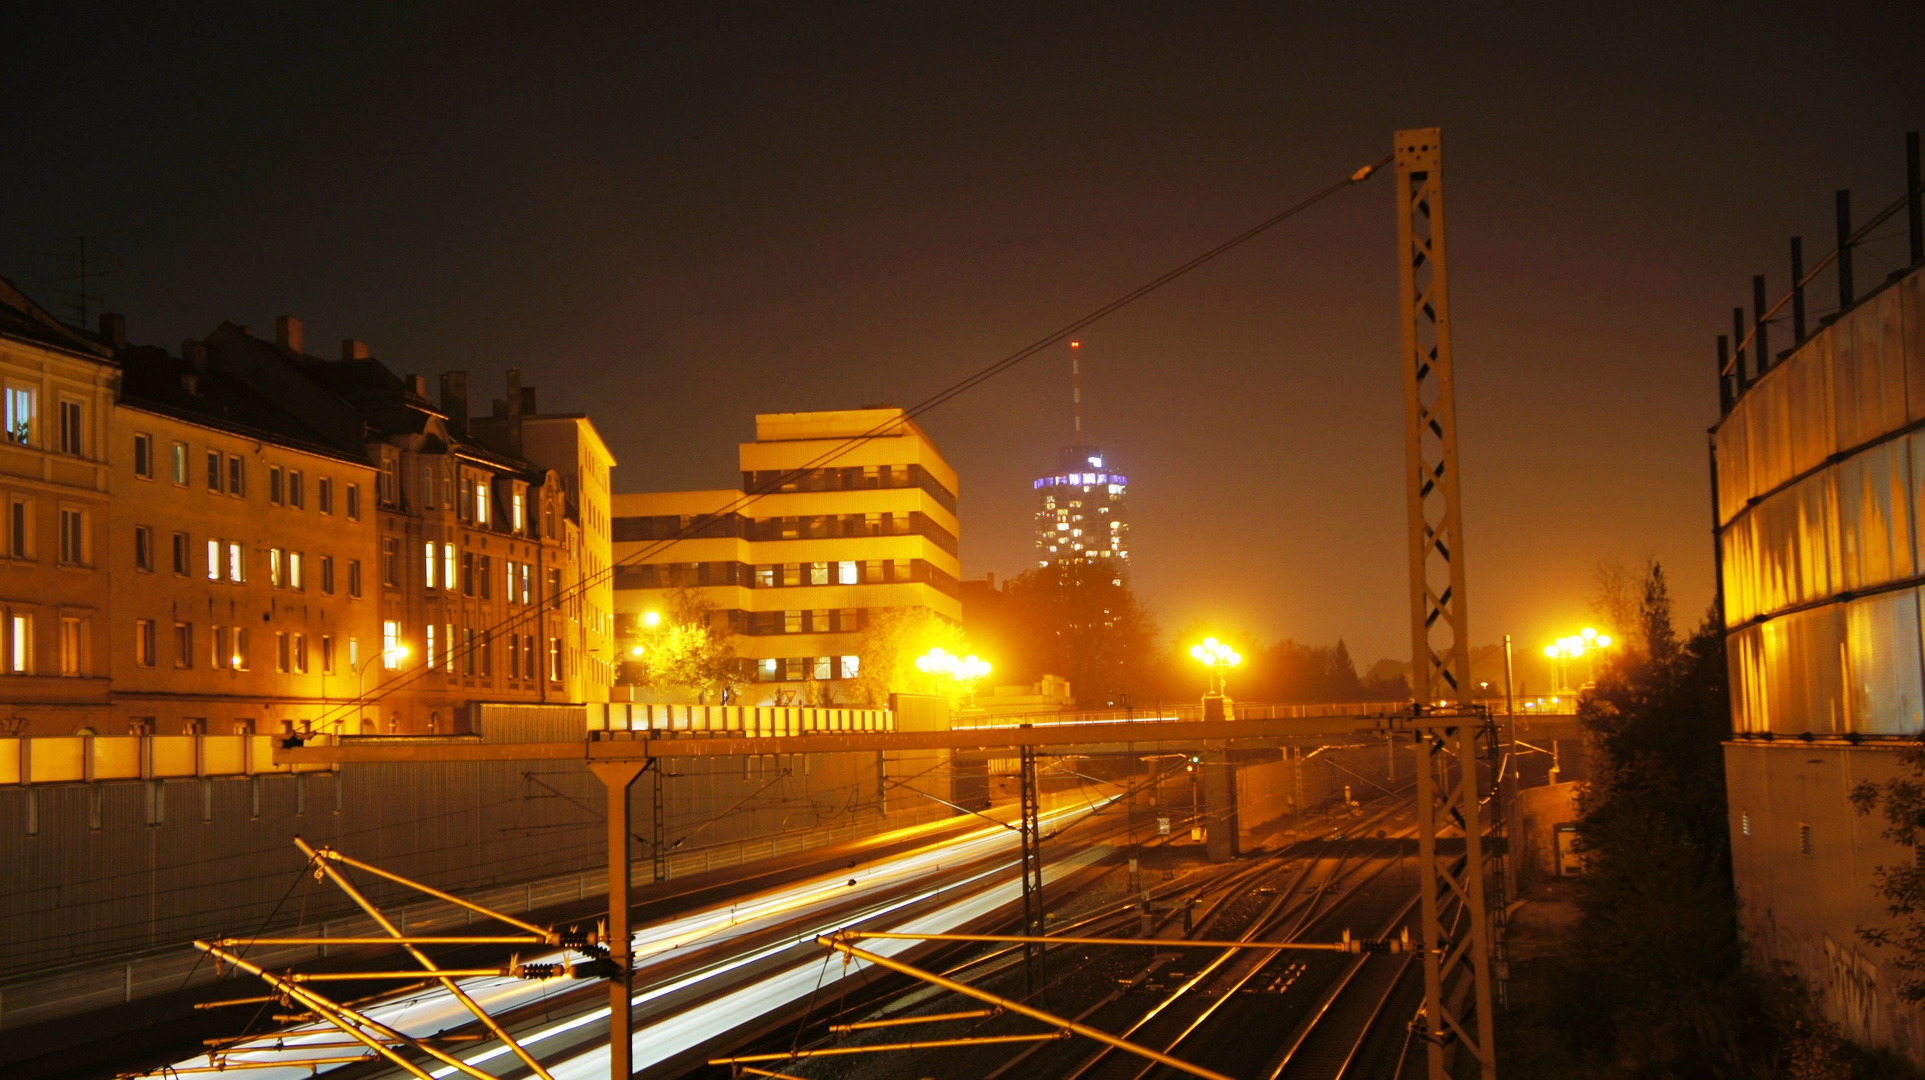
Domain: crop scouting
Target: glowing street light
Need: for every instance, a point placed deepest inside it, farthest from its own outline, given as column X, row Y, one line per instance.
column 1565, row 649
column 962, row 670
column 1219, row 658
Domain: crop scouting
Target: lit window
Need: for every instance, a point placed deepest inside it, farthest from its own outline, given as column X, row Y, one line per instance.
column 390, row 642
column 296, row 579
column 846, row 573
column 851, row 667
column 819, row 573
column 19, row 643
column 19, row 415
column 520, row 510
column 427, row 552
column 447, row 566
column 236, row 567
column 427, row 643
column 275, row 573
column 481, row 503
column 213, row 560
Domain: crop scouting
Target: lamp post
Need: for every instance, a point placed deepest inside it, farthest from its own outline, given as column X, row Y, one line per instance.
column 1565, row 649
column 1219, row 658
column 962, row 670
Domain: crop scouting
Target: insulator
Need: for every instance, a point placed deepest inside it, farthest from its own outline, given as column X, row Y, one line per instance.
column 539, row 971
column 579, row 938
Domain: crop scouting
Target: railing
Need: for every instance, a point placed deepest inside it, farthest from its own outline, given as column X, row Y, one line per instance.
column 1190, row 712
column 84, row 759
column 615, row 719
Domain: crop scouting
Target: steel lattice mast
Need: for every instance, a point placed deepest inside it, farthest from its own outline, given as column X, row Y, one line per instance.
column 1445, row 723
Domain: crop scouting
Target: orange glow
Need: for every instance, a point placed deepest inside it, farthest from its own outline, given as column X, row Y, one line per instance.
column 1075, row 344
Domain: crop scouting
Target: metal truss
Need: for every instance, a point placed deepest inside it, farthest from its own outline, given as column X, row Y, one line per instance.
column 1032, row 837
column 1446, row 728
column 1440, row 639
column 1457, row 965
column 378, row 1040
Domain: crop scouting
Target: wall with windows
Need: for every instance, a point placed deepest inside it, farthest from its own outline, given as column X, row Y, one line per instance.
column 55, row 389
column 825, row 535
column 241, row 574
column 1820, row 466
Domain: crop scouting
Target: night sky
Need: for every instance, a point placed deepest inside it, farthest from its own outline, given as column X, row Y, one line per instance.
column 673, row 217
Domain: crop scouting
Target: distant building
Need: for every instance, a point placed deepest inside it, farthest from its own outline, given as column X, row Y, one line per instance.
column 843, row 532
column 1818, row 463
column 1083, row 513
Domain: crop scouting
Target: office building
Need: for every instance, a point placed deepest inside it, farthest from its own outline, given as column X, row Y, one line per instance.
column 841, row 516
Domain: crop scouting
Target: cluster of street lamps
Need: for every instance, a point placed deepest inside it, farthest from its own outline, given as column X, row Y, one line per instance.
column 1584, row 643
column 963, row 669
column 1219, row 658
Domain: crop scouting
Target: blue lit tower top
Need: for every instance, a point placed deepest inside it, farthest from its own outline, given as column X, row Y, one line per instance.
column 1082, row 513
column 1082, row 510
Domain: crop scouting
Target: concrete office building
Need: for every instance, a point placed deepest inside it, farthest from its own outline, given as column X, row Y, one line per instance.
column 838, row 532
column 1821, row 540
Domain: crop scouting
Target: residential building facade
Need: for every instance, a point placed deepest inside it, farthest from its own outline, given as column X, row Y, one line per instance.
column 841, row 515
column 240, row 556
column 55, row 591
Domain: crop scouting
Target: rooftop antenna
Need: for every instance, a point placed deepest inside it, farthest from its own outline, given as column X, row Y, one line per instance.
column 1076, row 385
column 81, row 296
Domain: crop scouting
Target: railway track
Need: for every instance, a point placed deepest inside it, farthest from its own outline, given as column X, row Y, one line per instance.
column 1170, row 1000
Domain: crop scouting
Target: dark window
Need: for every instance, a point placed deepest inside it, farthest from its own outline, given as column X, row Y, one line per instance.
column 144, row 456
column 213, row 470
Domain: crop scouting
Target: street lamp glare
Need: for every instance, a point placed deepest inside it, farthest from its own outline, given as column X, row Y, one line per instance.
column 636, row 651
column 1550, row 651
column 399, row 652
column 1589, row 633
column 653, row 618
column 1604, row 641
column 1197, row 652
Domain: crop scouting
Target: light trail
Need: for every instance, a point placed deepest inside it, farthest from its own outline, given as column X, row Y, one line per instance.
column 432, row 1010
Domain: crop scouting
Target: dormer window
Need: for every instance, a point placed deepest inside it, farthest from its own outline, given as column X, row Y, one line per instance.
column 481, row 502
column 518, row 508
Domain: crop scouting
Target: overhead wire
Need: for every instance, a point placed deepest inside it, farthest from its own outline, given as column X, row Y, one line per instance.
column 886, row 428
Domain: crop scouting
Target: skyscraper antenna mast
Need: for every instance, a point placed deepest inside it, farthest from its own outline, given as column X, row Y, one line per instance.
column 1076, row 385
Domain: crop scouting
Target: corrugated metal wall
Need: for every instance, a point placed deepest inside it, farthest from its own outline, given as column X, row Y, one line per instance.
column 102, row 872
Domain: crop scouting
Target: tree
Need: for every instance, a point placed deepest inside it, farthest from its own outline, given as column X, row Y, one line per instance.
column 1901, row 801
column 690, row 649
column 887, row 650
column 1087, row 626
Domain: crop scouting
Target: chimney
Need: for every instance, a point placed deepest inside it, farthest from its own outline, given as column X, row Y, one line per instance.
column 528, row 401
column 454, row 400
column 287, row 333
column 195, row 353
column 418, row 386
column 113, row 327
column 515, row 403
column 353, row 350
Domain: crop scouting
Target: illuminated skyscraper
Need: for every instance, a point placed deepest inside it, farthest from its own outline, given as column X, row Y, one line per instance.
column 1082, row 509
column 1082, row 513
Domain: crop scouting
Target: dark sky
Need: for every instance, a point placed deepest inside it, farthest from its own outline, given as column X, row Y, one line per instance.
column 675, row 216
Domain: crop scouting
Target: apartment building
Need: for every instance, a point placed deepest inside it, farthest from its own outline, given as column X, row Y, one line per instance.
column 477, row 565
column 841, row 515
column 54, row 586
column 240, row 556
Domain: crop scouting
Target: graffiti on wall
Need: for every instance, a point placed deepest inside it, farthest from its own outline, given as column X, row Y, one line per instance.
column 1851, row 985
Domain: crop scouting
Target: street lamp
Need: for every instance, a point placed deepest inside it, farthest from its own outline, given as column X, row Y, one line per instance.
column 1566, row 649
column 965, row 670
column 1219, row 658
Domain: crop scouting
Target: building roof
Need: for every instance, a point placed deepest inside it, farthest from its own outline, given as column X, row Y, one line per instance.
column 24, row 320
